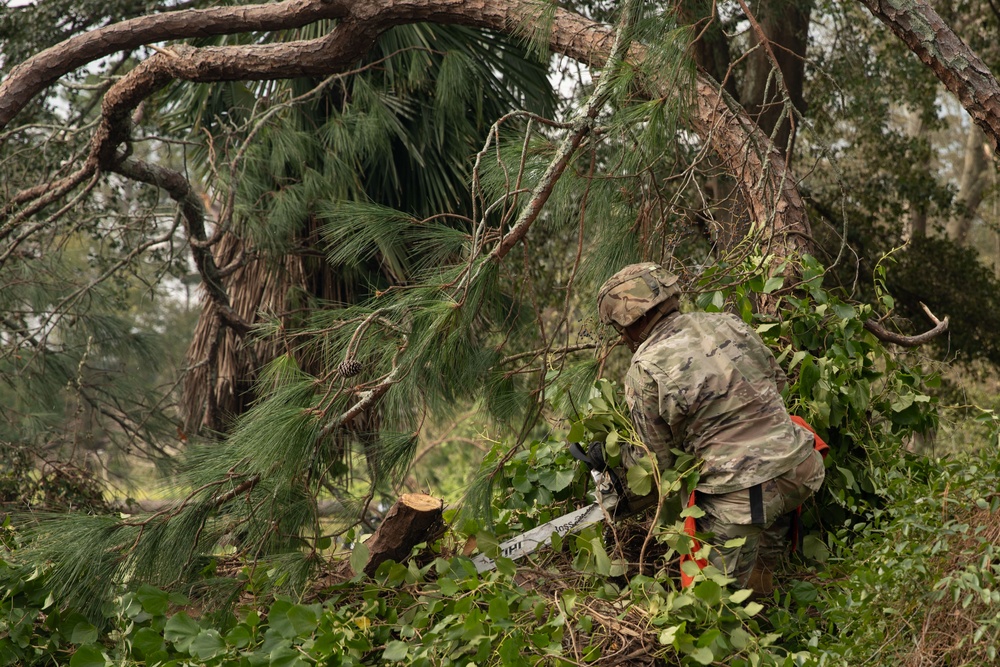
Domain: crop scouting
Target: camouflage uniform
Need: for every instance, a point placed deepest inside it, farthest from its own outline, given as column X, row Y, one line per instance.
column 706, row 384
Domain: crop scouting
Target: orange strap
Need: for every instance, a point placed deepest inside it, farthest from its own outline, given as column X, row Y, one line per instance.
column 818, row 443
column 689, row 529
column 689, row 522
column 795, row 535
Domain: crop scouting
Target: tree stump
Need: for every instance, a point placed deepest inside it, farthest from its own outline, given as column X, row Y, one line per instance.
column 415, row 518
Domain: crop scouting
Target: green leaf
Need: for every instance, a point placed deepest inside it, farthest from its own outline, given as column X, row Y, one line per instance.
column 303, row 619
column 602, row 562
column 207, row 645
column 708, row 592
column 506, row 566
column 611, row 446
column 153, row 600
column 286, row 656
column 291, row 621
column 181, row 629
column 239, row 636
column 83, row 633
column 499, row 610
column 640, row 480
column 764, row 328
column 844, row 311
column 147, row 641
column 753, row 608
column 702, row 655
column 89, row 655
column 740, row 595
column 395, row 651
column 813, row 547
column 773, row 283
column 556, row 480
column 739, row 638
column 359, row 557
column 697, row 513
column 576, row 432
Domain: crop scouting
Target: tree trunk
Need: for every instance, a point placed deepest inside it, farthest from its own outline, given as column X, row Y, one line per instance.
column 773, row 87
column 971, row 187
column 415, row 518
column 710, row 46
column 916, row 223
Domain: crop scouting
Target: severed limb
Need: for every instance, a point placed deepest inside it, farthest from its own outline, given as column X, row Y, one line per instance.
column 886, row 336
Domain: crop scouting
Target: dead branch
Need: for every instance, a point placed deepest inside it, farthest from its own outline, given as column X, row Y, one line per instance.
column 886, row 336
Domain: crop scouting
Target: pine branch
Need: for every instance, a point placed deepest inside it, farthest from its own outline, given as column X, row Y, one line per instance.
column 582, row 125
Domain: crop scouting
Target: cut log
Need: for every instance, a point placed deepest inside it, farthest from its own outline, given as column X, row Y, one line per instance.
column 415, row 518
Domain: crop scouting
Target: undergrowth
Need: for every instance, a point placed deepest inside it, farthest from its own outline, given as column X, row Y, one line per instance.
column 899, row 566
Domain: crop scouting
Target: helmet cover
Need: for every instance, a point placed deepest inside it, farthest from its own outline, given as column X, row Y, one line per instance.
column 633, row 292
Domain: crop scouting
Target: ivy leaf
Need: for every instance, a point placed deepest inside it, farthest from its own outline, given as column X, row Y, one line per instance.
column 181, row 629
column 153, row 600
column 207, row 645
column 814, row 548
column 708, row 592
column 286, row 656
column 499, row 610
column 702, row 655
column 83, row 633
column 739, row 638
column 147, row 641
column 89, row 655
column 740, row 595
column 773, row 283
column 359, row 557
column 395, row 651
column 640, row 480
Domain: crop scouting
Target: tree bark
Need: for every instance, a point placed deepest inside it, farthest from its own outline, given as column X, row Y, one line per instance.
column 415, row 518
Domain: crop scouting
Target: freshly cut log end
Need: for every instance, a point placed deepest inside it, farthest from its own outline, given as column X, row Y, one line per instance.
column 415, row 518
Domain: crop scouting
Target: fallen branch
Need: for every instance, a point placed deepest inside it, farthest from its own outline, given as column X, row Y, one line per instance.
column 886, row 336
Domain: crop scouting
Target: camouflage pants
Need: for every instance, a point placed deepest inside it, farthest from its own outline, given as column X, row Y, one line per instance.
column 727, row 516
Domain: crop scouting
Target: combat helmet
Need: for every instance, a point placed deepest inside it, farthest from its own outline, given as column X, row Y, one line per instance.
column 633, row 292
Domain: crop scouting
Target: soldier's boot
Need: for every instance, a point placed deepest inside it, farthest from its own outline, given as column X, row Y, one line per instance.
column 761, row 580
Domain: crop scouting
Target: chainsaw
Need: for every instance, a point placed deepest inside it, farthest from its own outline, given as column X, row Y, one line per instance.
column 611, row 502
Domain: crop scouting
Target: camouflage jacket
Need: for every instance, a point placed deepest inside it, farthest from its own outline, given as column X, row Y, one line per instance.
column 706, row 384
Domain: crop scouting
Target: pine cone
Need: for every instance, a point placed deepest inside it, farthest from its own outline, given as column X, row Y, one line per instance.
column 349, row 367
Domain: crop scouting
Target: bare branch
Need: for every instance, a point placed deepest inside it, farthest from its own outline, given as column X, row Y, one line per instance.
column 886, row 336
column 193, row 210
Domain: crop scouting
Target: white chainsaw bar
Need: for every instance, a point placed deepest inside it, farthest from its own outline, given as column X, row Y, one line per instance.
column 529, row 541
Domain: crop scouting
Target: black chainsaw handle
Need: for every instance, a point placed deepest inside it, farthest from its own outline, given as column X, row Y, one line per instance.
column 593, row 458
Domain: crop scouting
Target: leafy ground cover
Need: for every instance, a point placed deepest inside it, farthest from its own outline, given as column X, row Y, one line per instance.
column 913, row 582
column 899, row 564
